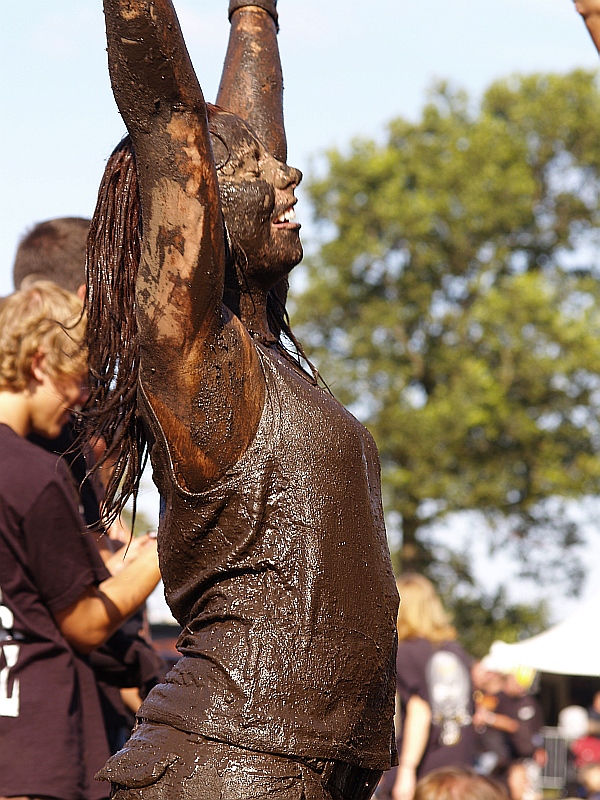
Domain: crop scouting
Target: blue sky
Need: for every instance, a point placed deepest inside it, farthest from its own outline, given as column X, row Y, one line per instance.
column 349, row 68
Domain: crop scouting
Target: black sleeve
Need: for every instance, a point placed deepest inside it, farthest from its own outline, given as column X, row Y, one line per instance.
column 410, row 670
column 524, row 740
column 61, row 560
column 127, row 660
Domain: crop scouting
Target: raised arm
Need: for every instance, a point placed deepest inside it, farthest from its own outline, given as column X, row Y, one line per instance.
column 590, row 11
column 195, row 357
column 181, row 273
column 252, row 81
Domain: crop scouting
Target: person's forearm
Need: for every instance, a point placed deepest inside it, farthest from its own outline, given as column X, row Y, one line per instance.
column 500, row 722
column 180, row 279
column 127, row 590
column 252, row 80
column 150, row 69
column 100, row 611
column 415, row 733
column 590, row 11
column 593, row 26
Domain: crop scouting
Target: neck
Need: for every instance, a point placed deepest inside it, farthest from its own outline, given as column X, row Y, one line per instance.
column 253, row 313
column 14, row 412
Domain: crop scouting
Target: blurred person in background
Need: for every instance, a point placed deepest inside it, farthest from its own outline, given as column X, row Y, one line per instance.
column 508, row 722
column 589, row 778
column 457, row 783
column 493, row 754
column 126, row 666
column 434, row 691
column 58, row 602
column 594, row 716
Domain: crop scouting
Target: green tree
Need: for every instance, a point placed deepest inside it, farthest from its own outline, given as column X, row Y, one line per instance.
column 453, row 304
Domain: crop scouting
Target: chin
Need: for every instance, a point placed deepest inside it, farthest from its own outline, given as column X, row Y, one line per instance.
column 290, row 254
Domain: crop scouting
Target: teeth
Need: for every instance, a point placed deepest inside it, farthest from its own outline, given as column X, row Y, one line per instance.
column 287, row 216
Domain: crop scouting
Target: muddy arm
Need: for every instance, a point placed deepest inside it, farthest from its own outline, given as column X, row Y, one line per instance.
column 252, row 81
column 198, row 368
column 181, row 273
column 590, row 11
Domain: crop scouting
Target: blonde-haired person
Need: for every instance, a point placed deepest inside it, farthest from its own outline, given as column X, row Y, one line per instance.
column 57, row 600
column 434, row 691
column 458, row 783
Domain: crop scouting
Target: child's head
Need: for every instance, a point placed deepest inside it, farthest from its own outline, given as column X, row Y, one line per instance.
column 42, row 323
column 456, row 783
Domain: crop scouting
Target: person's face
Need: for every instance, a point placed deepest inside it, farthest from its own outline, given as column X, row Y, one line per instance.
column 486, row 680
column 511, row 686
column 52, row 400
column 257, row 197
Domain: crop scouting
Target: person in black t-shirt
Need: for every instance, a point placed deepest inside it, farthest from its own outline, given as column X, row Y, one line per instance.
column 126, row 664
column 58, row 602
column 434, row 692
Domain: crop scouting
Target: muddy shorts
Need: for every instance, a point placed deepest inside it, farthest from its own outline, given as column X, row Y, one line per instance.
column 161, row 763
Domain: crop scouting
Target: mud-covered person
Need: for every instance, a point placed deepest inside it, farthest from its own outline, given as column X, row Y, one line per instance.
column 58, row 601
column 590, row 11
column 272, row 544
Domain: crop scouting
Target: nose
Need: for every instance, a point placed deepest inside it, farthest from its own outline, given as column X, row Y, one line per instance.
column 288, row 177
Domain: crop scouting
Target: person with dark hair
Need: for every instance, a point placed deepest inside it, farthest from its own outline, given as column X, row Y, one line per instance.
column 272, row 544
column 53, row 251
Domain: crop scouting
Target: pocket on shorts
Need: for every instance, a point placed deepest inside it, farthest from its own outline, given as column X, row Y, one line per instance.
column 141, row 762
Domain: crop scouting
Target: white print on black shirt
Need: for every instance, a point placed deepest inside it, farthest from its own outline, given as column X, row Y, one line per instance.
column 9, row 654
column 449, row 694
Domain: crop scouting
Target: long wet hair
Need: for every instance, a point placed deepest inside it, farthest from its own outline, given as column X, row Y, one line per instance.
column 112, row 261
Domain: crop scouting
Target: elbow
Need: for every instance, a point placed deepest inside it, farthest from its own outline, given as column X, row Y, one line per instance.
column 86, row 641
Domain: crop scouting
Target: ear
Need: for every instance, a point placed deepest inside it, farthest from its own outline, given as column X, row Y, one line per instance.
column 38, row 366
column 81, row 290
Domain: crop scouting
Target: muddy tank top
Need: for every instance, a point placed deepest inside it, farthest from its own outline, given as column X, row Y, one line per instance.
column 280, row 575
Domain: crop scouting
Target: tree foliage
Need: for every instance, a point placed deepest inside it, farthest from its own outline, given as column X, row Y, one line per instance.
column 453, row 304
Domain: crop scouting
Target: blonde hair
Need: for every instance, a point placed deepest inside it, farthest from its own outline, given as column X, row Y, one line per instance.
column 458, row 783
column 421, row 613
column 43, row 318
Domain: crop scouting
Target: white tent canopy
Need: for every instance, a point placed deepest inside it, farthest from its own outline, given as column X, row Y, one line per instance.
column 570, row 648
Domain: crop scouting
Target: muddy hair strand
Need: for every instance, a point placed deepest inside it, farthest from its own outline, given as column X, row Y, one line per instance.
column 112, row 261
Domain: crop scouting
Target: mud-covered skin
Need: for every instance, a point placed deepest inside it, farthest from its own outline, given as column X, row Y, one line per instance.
column 272, row 545
column 181, row 316
column 252, row 82
column 254, row 189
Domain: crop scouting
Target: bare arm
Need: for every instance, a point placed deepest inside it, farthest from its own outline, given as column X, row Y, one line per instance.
column 194, row 356
column 590, row 11
column 415, row 735
column 500, row 722
column 98, row 612
column 252, row 80
column 181, row 273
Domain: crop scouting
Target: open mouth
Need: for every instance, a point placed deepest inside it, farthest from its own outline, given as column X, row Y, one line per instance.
column 286, row 218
